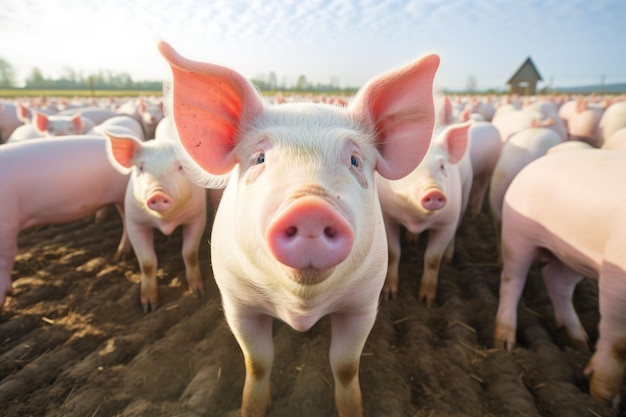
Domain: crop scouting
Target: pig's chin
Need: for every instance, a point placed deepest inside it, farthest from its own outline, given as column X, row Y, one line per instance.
column 308, row 276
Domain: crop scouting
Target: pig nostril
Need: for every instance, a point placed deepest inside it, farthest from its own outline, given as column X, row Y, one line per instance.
column 291, row 231
column 330, row 232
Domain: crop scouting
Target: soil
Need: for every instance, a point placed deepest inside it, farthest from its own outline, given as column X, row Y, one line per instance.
column 74, row 340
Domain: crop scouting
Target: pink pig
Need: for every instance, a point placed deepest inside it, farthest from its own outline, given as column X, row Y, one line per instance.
column 485, row 145
column 161, row 196
column 584, row 234
column 51, row 125
column 9, row 120
column 432, row 197
column 299, row 231
column 53, row 181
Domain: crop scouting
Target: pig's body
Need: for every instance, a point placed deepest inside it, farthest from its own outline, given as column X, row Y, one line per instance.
column 484, row 150
column 146, row 112
column 613, row 119
column 120, row 126
column 584, row 231
column 53, row 181
column 159, row 196
column 433, row 197
column 9, row 120
column 51, row 125
column 95, row 114
column 617, row 141
column 514, row 121
column 520, row 150
column 299, row 232
column 583, row 123
column 569, row 145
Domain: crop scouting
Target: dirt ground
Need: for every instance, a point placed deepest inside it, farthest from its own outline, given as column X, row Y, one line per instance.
column 74, row 341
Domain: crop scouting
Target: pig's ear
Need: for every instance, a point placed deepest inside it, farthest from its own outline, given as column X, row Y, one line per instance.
column 121, row 151
column 399, row 106
column 211, row 106
column 41, row 122
column 22, row 113
column 78, row 122
column 455, row 139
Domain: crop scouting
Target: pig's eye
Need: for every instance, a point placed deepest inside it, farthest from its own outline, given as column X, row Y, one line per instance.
column 260, row 158
column 354, row 161
column 141, row 168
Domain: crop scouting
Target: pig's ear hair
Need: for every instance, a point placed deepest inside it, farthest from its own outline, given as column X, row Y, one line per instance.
column 211, row 106
column 196, row 173
column 399, row 106
column 121, row 151
column 455, row 139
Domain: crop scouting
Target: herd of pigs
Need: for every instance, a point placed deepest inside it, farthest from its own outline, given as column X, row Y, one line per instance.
column 313, row 198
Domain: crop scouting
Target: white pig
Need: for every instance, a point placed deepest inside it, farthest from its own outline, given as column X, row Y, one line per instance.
column 51, row 125
column 53, row 181
column 121, row 126
column 299, row 232
column 583, row 231
column 485, row 146
column 432, row 197
column 161, row 196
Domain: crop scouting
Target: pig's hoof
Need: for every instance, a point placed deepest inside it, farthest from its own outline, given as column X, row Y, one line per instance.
column 148, row 306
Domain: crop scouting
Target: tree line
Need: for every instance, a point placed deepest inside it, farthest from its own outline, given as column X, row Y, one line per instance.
column 109, row 80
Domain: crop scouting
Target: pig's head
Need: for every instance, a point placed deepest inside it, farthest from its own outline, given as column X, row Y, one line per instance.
column 159, row 184
column 427, row 188
column 57, row 125
column 302, row 174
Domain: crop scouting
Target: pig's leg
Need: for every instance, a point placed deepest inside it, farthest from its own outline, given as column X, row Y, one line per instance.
column 517, row 255
column 124, row 248
column 390, row 289
column 142, row 239
column 560, row 282
column 438, row 241
column 349, row 333
column 8, row 252
column 254, row 335
column 606, row 367
column 192, row 236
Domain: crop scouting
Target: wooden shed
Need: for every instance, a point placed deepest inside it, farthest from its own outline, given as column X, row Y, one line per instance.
column 524, row 80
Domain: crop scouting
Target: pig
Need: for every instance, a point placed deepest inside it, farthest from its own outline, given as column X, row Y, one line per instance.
column 520, row 150
column 584, row 123
column 569, row 145
column 514, row 121
column 617, row 141
column 613, row 119
column 51, row 125
column 95, row 114
column 165, row 129
column 432, row 197
column 485, row 146
column 159, row 196
column 299, row 231
column 146, row 112
column 53, row 181
column 9, row 120
column 582, row 233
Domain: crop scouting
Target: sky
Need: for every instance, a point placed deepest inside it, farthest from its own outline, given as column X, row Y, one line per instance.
column 346, row 42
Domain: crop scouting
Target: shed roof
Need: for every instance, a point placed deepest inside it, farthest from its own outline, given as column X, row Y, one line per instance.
column 526, row 72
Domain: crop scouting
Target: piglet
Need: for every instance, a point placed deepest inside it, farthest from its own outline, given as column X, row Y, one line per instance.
column 50, row 181
column 161, row 196
column 433, row 198
column 299, row 232
column 583, row 233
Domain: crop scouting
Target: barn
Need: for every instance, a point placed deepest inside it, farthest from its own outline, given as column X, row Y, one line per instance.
column 524, row 80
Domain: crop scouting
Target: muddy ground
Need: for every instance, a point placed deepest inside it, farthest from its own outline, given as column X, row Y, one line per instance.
column 74, row 341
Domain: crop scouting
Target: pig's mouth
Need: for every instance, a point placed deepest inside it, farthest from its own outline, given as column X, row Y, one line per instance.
column 309, row 276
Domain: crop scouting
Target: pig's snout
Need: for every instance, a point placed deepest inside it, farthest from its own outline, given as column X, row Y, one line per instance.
column 310, row 233
column 159, row 201
column 433, row 200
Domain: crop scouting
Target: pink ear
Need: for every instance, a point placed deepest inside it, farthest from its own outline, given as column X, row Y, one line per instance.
column 465, row 115
column 22, row 113
column 447, row 111
column 142, row 105
column 41, row 122
column 456, row 139
column 399, row 106
column 122, row 149
column 211, row 106
column 581, row 105
column 78, row 123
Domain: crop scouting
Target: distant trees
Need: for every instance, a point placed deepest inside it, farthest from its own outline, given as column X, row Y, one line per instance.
column 72, row 80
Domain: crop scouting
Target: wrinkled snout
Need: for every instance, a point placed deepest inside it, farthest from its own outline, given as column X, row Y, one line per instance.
column 310, row 233
column 433, row 200
column 159, row 201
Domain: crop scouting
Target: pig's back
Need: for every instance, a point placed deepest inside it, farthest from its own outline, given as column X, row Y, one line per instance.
column 58, row 179
column 577, row 198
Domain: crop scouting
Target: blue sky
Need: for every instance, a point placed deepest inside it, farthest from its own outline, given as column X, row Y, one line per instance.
column 572, row 42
